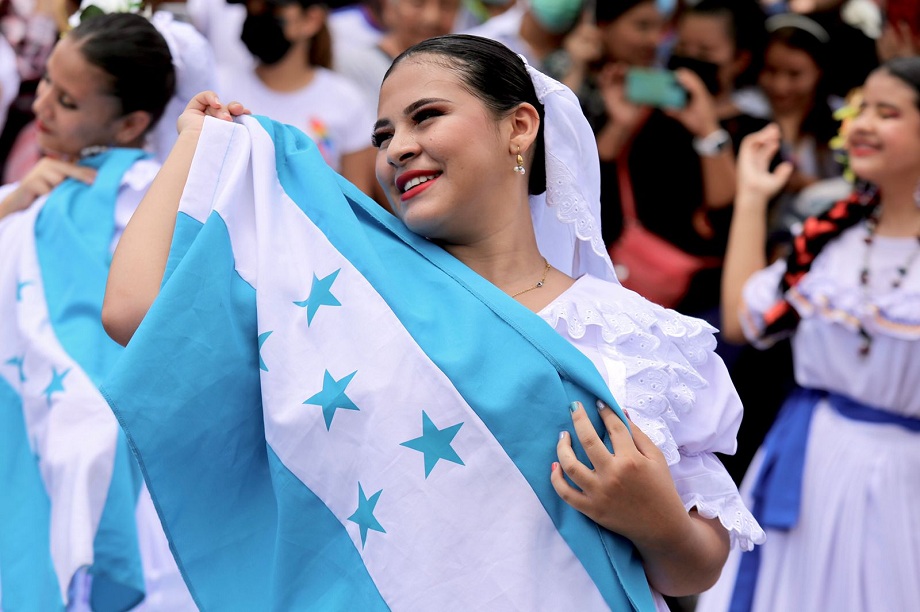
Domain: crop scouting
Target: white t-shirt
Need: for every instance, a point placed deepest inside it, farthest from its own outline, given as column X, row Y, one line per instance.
column 194, row 63
column 221, row 23
column 331, row 110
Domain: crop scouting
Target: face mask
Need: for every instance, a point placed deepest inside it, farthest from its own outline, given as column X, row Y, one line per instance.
column 264, row 37
column 557, row 16
column 707, row 71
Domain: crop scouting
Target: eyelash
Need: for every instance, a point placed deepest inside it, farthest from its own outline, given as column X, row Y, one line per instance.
column 60, row 99
column 378, row 138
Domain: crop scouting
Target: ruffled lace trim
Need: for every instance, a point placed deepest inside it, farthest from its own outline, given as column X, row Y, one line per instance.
column 743, row 529
column 895, row 313
column 658, row 390
column 571, row 206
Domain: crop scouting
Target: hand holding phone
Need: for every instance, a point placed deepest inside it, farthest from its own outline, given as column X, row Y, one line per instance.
column 655, row 87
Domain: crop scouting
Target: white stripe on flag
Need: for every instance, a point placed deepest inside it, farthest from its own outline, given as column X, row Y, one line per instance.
column 471, row 536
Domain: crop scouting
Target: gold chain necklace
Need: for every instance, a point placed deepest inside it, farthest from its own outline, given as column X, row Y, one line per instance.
column 539, row 283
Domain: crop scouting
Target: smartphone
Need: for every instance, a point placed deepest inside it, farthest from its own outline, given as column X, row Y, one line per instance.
column 707, row 71
column 655, row 87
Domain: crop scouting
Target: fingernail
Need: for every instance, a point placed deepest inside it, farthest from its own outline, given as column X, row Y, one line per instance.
column 601, row 405
column 562, row 435
column 554, row 467
column 626, row 412
column 574, row 406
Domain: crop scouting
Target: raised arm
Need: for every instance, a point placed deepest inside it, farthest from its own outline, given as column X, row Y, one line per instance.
column 746, row 252
column 140, row 258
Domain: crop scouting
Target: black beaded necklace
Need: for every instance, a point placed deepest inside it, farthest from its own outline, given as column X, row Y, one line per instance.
column 865, row 344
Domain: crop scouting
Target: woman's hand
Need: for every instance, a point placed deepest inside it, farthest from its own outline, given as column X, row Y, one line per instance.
column 47, row 174
column 699, row 115
column 629, row 491
column 623, row 114
column 207, row 104
column 584, row 44
column 755, row 180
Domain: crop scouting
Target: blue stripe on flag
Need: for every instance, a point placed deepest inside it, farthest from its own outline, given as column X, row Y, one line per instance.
column 518, row 341
column 118, row 577
column 27, row 574
column 228, row 501
column 73, row 235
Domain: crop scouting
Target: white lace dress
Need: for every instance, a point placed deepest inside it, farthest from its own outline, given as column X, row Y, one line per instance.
column 661, row 367
column 857, row 544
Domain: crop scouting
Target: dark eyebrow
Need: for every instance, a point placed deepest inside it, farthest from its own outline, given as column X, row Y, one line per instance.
column 409, row 110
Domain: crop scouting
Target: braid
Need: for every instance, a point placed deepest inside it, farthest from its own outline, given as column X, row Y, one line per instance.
column 816, row 233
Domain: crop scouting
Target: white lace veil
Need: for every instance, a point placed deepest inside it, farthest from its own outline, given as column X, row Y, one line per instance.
column 567, row 218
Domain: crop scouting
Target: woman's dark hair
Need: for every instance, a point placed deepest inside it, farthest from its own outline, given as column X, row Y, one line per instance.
column 493, row 73
column 746, row 28
column 134, row 54
column 906, row 69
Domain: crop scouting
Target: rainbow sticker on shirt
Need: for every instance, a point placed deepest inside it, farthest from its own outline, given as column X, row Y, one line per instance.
column 319, row 131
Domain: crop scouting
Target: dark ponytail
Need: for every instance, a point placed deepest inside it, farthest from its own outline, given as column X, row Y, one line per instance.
column 134, row 54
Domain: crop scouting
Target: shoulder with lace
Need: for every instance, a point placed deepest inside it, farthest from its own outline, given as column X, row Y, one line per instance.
column 832, row 291
column 662, row 351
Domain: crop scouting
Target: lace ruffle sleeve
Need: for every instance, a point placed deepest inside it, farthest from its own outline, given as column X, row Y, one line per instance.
column 662, row 368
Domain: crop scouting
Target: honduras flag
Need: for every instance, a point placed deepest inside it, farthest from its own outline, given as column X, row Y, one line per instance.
column 68, row 483
column 333, row 413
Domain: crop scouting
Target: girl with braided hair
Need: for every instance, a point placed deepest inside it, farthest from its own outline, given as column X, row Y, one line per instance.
column 836, row 483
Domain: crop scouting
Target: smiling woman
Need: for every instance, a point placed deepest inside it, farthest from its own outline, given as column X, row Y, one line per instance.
column 77, row 527
column 488, row 304
column 836, row 478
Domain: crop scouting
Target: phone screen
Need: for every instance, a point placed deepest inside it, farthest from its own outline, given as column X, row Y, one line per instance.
column 654, row 87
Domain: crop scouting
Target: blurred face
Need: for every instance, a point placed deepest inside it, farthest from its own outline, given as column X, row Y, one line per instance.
column 413, row 21
column 707, row 38
column 73, row 107
column 789, row 79
column 633, row 37
column 884, row 138
column 440, row 154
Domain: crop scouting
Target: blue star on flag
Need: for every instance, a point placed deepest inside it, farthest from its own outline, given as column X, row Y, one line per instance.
column 56, row 384
column 364, row 515
column 262, row 338
column 18, row 362
column 320, row 295
column 434, row 443
column 19, row 287
column 333, row 397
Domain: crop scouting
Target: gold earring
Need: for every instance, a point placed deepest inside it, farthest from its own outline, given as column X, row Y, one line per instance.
column 520, row 165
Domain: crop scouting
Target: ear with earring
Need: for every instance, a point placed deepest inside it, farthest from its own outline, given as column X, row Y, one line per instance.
column 520, row 164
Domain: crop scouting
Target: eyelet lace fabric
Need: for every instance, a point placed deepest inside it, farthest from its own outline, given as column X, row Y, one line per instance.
column 567, row 219
column 665, row 355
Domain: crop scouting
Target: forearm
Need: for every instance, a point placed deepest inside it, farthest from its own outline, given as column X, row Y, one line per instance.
column 140, row 259
column 611, row 140
column 16, row 201
column 745, row 255
column 691, row 563
column 718, row 179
